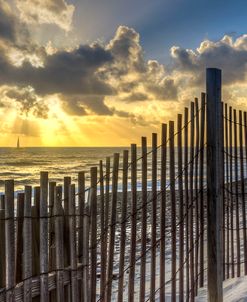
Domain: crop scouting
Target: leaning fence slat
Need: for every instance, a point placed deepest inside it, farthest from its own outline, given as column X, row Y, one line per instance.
column 112, row 227
column 103, row 242
column 123, row 225
column 227, row 196
column 59, row 240
column 181, row 208
column 143, row 219
column 27, row 246
column 9, row 240
column 85, row 258
column 35, row 232
column 52, row 259
column 81, row 207
column 201, row 184
column 131, row 285
column 196, row 194
column 93, row 239
column 236, row 192
column 153, row 216
column 107, row 195
column 245, row 147
column 231, row 189
column 19, row 236
column 67, row 182
column 186, row 189
column 163, row 210
column 2, row 243
column 72, row 243
column 44, row 264
column 51, row 229
column 242, row 190
column 191, row 206
column 173, row 209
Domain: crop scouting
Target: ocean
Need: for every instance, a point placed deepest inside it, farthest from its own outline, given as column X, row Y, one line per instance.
column 24, row 164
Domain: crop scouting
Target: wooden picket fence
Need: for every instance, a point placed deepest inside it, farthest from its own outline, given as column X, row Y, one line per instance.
column 138, row 232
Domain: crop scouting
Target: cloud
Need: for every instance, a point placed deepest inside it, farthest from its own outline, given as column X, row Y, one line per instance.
column 65, row 72
column 229, row 55
column 85, row 105
column 96, row 79
column 27, row 102
column 56, row 12
column 12, row 30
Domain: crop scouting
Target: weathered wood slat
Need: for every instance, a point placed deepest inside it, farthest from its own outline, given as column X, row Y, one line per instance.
column 123, row 225
column 163, row 210
column 59, row 243
column 236, row 191
column 85, row 258
column 153, row 216
column 227, row 194
column 173, row 209
column 27, row 246
column 231, row 198
column 36, row 232
column 181, row 208
column 242, row 179
column 44, row 255
column 131, row 285
column 72, row 243
column 186, row 195
column 9, row 239
column 93, row 239
column 143, row 220
column 201, row 184
column 52, row 260
column 103, row 242
column 81, row 208
column 214, row 184
column 2, row 249
column 191, row 198
column 19, row 236
column 112, row 235
column 197, row 231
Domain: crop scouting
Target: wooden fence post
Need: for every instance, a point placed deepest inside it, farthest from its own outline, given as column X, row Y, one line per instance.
column 214, row 184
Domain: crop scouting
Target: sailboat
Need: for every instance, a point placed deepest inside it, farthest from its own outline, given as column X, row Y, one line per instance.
column 18, row 143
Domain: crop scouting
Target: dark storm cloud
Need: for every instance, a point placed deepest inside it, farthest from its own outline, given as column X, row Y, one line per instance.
column 63, row 72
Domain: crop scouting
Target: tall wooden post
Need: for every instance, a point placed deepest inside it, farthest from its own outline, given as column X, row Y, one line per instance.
column 214, row 184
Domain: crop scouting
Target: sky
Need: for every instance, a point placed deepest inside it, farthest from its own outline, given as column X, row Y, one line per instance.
column 105, row 73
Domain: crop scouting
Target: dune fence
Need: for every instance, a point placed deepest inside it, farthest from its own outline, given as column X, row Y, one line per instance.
column 157, row 222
